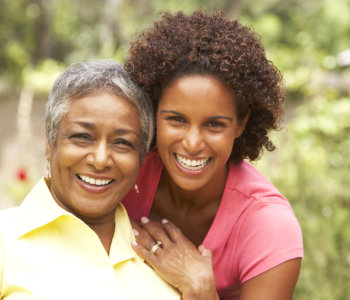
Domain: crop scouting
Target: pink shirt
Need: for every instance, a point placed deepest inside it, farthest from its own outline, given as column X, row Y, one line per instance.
column 254, row 229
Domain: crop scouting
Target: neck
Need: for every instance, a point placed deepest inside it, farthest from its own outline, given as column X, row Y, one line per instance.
column 103, row 226
column 208, row 195
column 105, row 232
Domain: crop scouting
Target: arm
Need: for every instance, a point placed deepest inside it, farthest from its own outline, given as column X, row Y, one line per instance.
column 275, row 284
column 177, row 260
column 269, row 256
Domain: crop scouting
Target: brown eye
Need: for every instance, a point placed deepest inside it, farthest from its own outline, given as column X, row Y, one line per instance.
column 176, row 119
column 81, row 136
column 216, row 124
column 124, row 143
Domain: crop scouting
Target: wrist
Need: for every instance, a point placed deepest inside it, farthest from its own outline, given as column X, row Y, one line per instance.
column 203, row 288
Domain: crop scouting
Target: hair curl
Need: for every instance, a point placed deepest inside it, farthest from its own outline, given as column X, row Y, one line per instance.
column 209, row 43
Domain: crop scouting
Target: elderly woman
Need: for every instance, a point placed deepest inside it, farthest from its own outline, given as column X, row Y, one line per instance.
column 71, row 237
column 216, row 97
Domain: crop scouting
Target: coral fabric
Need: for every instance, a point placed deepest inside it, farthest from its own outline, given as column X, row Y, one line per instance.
column 254, row 230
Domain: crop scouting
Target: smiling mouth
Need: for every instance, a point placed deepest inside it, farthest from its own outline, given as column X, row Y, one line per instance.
column 93, row 181
column 190, row 164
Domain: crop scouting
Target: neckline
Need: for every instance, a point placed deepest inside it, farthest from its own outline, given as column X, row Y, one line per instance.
column 210, row 235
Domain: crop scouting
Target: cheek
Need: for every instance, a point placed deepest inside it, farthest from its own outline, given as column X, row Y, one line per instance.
column 67, row 157
column 166, row 135
column 129, row 165
column 64, row 161
column 223, row 145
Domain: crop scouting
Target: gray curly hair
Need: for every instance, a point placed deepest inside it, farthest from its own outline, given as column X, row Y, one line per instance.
column 85, row 78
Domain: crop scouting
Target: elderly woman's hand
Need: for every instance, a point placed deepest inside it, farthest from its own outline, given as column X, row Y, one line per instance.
column 176, row 259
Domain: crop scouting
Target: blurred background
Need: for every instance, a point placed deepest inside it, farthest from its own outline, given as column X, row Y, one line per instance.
column 308, row 40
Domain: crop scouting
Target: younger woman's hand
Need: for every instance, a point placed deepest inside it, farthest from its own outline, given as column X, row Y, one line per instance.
column 175, row 258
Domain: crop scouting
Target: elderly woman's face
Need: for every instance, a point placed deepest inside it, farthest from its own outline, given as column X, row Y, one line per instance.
column 95, row 160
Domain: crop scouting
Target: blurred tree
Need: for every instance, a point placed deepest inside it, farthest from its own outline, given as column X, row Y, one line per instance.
column 311, row 167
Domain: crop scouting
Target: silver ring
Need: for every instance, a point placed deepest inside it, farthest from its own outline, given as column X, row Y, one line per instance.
column 156, row 246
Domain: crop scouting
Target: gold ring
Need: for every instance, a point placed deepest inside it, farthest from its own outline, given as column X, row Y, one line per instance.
column 156, row 246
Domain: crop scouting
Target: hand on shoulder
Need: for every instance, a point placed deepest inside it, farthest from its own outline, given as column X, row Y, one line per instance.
column 176, row 259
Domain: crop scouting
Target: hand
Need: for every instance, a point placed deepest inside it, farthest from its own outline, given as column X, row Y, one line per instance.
column 177, row 260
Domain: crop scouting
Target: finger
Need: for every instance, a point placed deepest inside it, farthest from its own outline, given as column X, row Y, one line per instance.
column 156, row 231
column 143, row 238
column 144, row 253
column 204, row 251
column 134, row 224
column 175, row 233
column 146, row 243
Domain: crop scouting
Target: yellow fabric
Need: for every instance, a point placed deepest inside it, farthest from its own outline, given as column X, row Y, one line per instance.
column 47, row 253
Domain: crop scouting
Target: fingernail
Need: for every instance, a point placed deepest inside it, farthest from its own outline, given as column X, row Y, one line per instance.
column 164, row 221
column 134, row 243
column 144, row 220
column 136, row 233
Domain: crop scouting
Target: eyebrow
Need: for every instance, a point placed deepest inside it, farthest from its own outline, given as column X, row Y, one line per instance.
column 221, row 117
column 171, row 111
column 210, row 118
column 118, row 131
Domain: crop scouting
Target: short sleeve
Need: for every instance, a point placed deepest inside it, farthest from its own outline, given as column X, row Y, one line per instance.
column 269, row 236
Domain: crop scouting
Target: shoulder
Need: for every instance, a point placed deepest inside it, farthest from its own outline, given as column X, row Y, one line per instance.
column 8, row 216
column 247, row 180
column 246, row 188
column 266, row 231
column 261, row 201
column 9, row 222
column 268, row 235
column 270, row 216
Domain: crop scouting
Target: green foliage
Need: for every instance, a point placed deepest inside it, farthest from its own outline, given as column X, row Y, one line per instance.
column 16, row 38
column 311, row 167
column 41, row 78
column 312, row 164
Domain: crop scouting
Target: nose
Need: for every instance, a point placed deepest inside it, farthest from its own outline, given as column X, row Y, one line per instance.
column 193, row 140
column 100, row 157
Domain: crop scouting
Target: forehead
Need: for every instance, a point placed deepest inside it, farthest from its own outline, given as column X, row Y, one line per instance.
column 105, row 109
column 198, row 90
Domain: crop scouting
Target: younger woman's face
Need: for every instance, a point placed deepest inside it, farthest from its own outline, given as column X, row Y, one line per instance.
column 196, row 127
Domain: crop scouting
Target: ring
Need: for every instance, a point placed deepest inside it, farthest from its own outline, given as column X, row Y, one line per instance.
column 156, row 246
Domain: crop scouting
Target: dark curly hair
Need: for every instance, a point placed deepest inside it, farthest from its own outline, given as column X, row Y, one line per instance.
column 209, row 43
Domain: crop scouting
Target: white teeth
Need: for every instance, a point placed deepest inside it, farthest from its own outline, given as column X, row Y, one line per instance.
column 94, row 181
column 191, row 164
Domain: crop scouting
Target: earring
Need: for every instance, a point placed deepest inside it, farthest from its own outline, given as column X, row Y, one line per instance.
column 48, row 170
column 136, row 189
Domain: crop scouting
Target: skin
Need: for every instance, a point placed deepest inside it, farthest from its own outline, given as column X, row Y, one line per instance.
column 177, row 260
column 197, row 120
column 99, row 137
column 189, row 269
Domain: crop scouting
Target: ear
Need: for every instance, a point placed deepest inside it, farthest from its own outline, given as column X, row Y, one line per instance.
column 48, row 150
column 241, row 126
